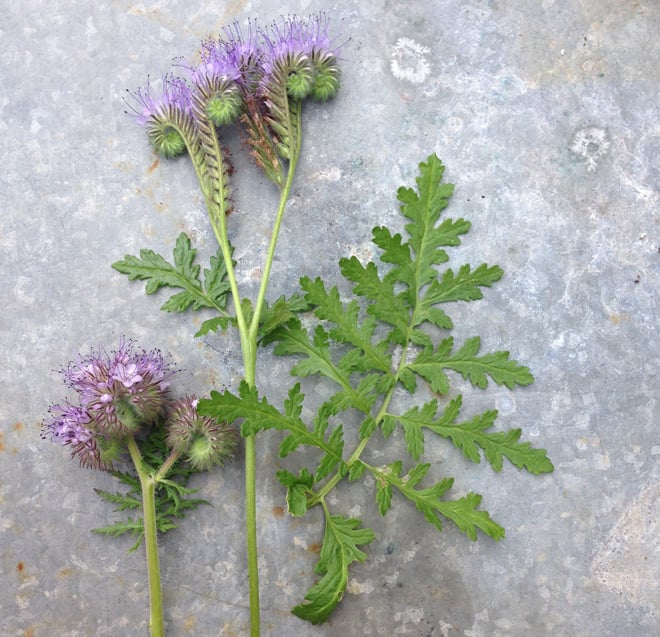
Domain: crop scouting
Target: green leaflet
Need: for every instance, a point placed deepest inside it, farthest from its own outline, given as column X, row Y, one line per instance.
column 183, row 274
column 172, row 496
column 431, row 363
column 257, row 414
column 462, row 512
column 470, row 436
column 212, row 292
column 340, row 549
column 298, row 488
column 279, row 313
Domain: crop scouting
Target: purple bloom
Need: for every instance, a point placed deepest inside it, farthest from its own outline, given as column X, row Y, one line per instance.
column 228, row 58
column 167, row 116
column 174, row 98
column 222, row 78
column 299, row 54
column 68, row 427
column 123, row 391
column 255, row 77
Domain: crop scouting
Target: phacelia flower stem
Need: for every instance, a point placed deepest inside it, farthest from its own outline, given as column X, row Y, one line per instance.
column 262, row 79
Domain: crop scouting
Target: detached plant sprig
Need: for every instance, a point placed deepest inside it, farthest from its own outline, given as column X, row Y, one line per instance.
column 389, row 338
column 260, row 80
column 124, row 410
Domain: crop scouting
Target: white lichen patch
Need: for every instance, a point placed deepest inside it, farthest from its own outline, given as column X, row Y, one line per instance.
column 590, row 144
column 409, row 61
column 409, row 616
column 363, row 252
column 358, row 588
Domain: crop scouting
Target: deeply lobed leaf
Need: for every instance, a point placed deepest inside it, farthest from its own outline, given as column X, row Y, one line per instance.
column 172, row 498
column 430, row 365
column 471, row 436
column 340, row 549
column 462, row 512
column 182, row 275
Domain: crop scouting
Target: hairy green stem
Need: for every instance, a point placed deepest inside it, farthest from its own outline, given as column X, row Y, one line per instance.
column 248, row 333
column 218, row 217
column 148, row 484
column 249, row 348
column 166, row 466
column 284, row 196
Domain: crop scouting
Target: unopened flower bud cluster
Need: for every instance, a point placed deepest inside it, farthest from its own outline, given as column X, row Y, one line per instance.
column 259, row 77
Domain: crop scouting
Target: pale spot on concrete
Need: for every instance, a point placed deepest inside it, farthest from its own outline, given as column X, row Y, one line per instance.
column 409, row 61
column 590, row 144
column 358, row 588
column 328, row 174
column 90, row 29
column 629, row 561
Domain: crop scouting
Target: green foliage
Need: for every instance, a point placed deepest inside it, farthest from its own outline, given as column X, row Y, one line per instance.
column 183, row 274
column 340, row 549
column 172, row 496
column 383, row 340
column 211, row 292
column 428, row 500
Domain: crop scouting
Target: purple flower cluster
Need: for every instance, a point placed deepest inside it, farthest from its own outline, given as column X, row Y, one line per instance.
column 238, row 73
column 300, row 54
column 69, row 426
column 118, row 393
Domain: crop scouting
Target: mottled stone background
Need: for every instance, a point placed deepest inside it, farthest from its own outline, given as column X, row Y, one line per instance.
column 546, row 114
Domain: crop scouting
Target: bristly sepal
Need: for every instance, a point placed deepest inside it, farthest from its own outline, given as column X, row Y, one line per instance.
column 259, row 139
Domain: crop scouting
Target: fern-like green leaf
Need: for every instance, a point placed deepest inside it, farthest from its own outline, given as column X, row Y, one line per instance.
column 431, row 364
column 279, row 313
column 258, row 415
column 384, row 304
column 340, row 549
column 121, row 501
column 462, row 512
column 182, row 275
column 298, row 488
column 471, row 436
column 172, row 497
column 348, row 327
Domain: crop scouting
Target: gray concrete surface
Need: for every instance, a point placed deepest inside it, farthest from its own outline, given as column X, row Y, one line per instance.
column 546, row 114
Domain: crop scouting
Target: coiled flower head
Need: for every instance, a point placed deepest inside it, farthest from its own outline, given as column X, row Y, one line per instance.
column 225, row 73
column 122, row 391
column 167, row 116
column 299, row 56
column 202, row 441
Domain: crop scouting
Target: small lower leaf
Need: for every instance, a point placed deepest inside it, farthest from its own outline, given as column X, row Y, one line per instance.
column 340, row 549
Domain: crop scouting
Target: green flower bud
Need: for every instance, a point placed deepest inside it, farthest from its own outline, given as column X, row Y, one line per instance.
column 326, row 85
column 224, row 109
column 300, row 77
column 326, row 80
column 166, row 140
column 202, row 441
